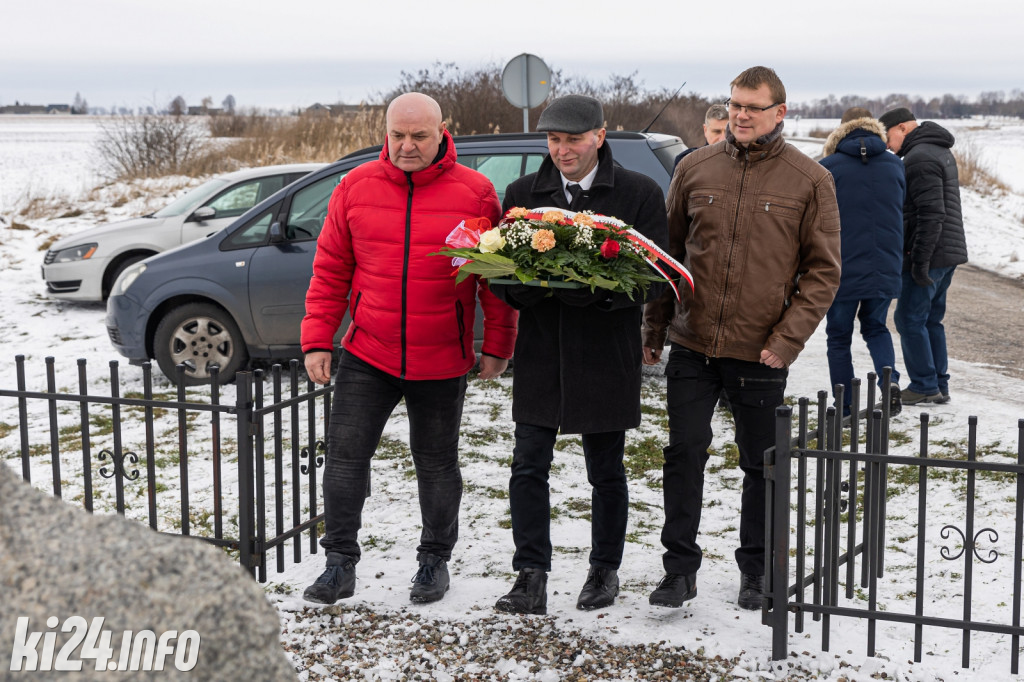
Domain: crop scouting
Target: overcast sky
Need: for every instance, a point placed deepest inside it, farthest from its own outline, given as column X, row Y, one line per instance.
column 292, row 54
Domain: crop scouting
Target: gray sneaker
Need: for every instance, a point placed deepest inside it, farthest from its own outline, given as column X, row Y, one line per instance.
column 431, row 580
column 909, row 397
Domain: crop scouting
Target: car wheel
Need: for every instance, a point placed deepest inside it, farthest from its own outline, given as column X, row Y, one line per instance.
column 199, row 335
column 111, row 275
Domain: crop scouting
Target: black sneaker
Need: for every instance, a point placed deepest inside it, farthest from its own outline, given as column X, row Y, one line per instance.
column 674, row 589
column 751, row 587
column 528, row 595
column 431, row 580
column 600, row 589
column 895, row 402
column 338, row 581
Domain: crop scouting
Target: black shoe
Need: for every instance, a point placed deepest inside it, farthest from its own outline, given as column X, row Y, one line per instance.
column 431, row 580
column 895, row 403
column 674, row 589
column 751, row 587
column 337, row 582
column 528, row 595
column 944, row 399
column 599, row 590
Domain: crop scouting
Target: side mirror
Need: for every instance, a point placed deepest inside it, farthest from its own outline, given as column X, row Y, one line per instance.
column 204, row 213
column 276, row 236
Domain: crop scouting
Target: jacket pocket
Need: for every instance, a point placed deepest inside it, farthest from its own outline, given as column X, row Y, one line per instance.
column 778, row 217
column 352, row 314
column 460, row 319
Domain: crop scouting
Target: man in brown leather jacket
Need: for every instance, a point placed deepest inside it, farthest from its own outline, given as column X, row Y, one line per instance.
column 756, row 222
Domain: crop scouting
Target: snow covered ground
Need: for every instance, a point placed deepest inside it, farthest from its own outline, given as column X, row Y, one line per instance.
column 51, row 158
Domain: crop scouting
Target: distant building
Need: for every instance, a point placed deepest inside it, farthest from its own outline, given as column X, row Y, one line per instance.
column 23, row 109
column 58, row 109
column 203, row 111
column 337, row 110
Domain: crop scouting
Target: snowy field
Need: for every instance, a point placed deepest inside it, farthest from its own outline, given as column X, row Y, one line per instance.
column 45, row 157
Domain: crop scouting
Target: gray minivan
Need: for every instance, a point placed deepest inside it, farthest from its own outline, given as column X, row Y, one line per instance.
column 240, row 293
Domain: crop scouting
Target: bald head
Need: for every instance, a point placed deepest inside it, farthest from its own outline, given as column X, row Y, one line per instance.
column 415, row 131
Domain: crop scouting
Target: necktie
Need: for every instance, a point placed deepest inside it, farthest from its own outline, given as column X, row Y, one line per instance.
column 574, row 189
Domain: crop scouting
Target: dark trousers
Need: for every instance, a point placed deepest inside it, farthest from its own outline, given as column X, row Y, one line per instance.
column 918, row 318
column 873, row 314
column 694, row 384
column 364, row 398
column 531, row 507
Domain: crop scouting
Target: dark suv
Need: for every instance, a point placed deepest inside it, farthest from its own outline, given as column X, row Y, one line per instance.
column 240, row 293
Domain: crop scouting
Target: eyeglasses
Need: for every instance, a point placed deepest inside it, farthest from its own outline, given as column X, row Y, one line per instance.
column 748, row 108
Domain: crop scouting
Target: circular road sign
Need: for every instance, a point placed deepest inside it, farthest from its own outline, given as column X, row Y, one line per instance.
column 526, row 81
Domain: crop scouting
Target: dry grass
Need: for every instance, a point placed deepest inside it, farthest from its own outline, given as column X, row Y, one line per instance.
column 299, row 139
column 974, row 172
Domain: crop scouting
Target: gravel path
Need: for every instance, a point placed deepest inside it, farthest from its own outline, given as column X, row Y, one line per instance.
column 343, row 642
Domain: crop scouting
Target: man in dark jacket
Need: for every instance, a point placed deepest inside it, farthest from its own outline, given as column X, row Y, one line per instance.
column 933, row 245
column 755, row 221
column 410, row 338
column 577, row 359
column 870, row 188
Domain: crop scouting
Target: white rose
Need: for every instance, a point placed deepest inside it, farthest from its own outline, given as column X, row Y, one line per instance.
column 491, row 241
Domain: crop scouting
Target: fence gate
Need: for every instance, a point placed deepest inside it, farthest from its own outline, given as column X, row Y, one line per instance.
column 828, row 551
column 240, row 475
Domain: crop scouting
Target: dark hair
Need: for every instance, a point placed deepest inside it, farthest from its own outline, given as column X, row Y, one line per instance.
column 756, row 76
column 855, row 112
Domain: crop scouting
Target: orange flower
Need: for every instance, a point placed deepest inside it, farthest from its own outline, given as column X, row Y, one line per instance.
column 584, row 219
column 543, row 240
column 553, row 216
column 517, row 212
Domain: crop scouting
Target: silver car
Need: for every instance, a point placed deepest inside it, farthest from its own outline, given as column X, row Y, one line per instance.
column 84, row 266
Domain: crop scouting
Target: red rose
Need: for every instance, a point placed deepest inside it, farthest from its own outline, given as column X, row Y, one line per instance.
column 610, row 248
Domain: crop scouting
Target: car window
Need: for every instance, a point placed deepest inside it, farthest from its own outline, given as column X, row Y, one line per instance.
column 192, row 200
column 240, row 198
column 502, row 169
column 309, row 208
column 253, row 233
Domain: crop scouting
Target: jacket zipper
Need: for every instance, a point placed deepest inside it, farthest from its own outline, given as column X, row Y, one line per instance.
column 405, row 271
column 732, row 246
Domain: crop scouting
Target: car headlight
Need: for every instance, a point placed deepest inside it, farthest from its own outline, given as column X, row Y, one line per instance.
column 130, row 274
column 80, row 252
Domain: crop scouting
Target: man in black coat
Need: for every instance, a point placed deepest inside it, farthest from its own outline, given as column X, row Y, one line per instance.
column 577, row 358
column 933, row 245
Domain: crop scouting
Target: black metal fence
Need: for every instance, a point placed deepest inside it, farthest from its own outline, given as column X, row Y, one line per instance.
column 827, row 529
column 240, row 475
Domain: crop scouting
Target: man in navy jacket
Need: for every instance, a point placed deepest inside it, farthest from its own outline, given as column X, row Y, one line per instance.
column 870, row 188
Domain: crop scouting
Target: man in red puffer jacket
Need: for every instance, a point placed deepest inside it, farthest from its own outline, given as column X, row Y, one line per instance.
column 411, row 334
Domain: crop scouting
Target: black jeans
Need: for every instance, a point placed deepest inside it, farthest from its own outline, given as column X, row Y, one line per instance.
column 694, row 384
column 531, row 508
column 364, row 398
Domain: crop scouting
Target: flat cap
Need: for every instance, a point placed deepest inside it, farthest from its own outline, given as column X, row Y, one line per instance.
column 571, row 114
column 896, row 116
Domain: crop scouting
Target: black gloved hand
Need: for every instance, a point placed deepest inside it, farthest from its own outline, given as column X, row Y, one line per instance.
column 581, row 297
column 919, row 271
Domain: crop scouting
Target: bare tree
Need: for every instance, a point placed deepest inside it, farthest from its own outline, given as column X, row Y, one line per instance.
column 178, row 106
column 229, row 104
column 149, row 146
column 80, row 106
